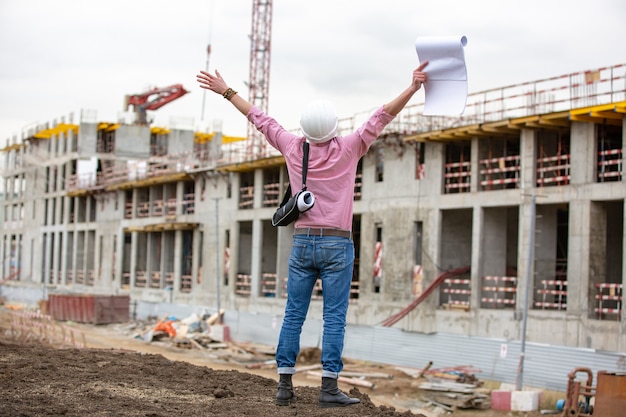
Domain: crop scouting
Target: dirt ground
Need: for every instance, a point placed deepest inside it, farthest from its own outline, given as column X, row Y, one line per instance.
column 119, row 375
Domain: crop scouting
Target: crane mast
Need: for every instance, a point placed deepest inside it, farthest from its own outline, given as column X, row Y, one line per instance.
column 259, row 77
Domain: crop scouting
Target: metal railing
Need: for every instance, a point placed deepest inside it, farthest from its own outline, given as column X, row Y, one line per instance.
column 576, row 90
column 562, row 93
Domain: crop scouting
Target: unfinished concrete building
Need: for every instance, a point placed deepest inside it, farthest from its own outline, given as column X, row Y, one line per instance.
column 522, row 195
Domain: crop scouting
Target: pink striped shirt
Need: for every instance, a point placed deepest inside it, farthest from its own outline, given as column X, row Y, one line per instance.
column 332, row 166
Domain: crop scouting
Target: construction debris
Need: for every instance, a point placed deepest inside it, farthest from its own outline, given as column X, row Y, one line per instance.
column 412, row 372
column 445, row 388
column 459, row 400
column 448, row 386
column 455, row 388
column 462, row 374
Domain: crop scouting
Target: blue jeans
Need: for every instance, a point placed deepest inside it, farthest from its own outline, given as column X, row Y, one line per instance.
column 331, row 259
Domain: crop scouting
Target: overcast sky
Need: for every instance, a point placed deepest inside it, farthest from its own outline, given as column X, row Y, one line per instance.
column 61, row 56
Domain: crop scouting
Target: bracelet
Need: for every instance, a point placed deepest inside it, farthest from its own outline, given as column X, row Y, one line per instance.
column 228, row 94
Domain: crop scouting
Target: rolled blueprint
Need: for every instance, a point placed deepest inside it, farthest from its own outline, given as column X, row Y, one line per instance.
column 306, row 199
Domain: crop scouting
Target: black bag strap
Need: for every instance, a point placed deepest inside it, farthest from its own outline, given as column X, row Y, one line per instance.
column 305, row 163
column 305, row 169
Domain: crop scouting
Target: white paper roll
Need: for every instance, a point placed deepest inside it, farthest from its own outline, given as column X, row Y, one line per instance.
column 306, row 200
column 446, row 88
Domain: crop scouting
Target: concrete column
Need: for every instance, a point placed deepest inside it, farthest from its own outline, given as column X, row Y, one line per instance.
column 434, row 162
column 432, row 242
column 48, row 212
column 180, row 196
column 35, row 258
column 236, row 256
column 207, row 251
column 258, row 189
column 578, row 267
column 474, row 165
column 479, row 237
column 597, row 247
column 133, row 255
column 52, row 144
column 65, row 216
column 528, row 171
column 283, row 251
column 178, row 255
column 528, row 159
column 7, row 258
column 256, row 262
column 47, row 259
column 63, row 142
column 134, row 199
column 101, row 269
column 478, row 249
column 103, row 251
column 56, row 264
column 6, row 254
column 257, row 248
column 523, row 253
column 162, row 256
column 5, row 268
column 59, row 188
column 72, row 267
column 148, row 256
column 19, row 251
column 119, row 258
column 583, row 153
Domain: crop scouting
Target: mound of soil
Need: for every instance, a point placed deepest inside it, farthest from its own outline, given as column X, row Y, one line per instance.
column 42, row 380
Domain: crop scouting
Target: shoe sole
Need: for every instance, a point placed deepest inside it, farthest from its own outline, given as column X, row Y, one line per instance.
column 331, row 405
column 284, row 402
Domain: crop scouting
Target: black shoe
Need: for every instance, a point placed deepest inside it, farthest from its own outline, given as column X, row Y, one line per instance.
column 331, row 395
column 285, row 394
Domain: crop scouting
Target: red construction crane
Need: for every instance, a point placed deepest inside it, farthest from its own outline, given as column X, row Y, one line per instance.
column 259, row 81
column 146, row 101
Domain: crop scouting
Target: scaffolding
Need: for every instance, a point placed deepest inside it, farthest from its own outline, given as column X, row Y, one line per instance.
column 456, row 293
column 500, row 172
column 552, row 294
column 610, row 165
column 553, row 169
column 609, row 301
column 458, row 177
column 499, row 292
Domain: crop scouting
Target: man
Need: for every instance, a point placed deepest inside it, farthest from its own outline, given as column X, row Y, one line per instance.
column 322, row 242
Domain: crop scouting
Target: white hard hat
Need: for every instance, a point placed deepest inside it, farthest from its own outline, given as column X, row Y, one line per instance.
column 319, row 121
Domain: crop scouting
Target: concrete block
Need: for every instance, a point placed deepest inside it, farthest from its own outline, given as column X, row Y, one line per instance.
column 501, row 400
column 524, row 400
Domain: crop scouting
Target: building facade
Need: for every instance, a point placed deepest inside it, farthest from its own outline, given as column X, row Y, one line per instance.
column 462, row 225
